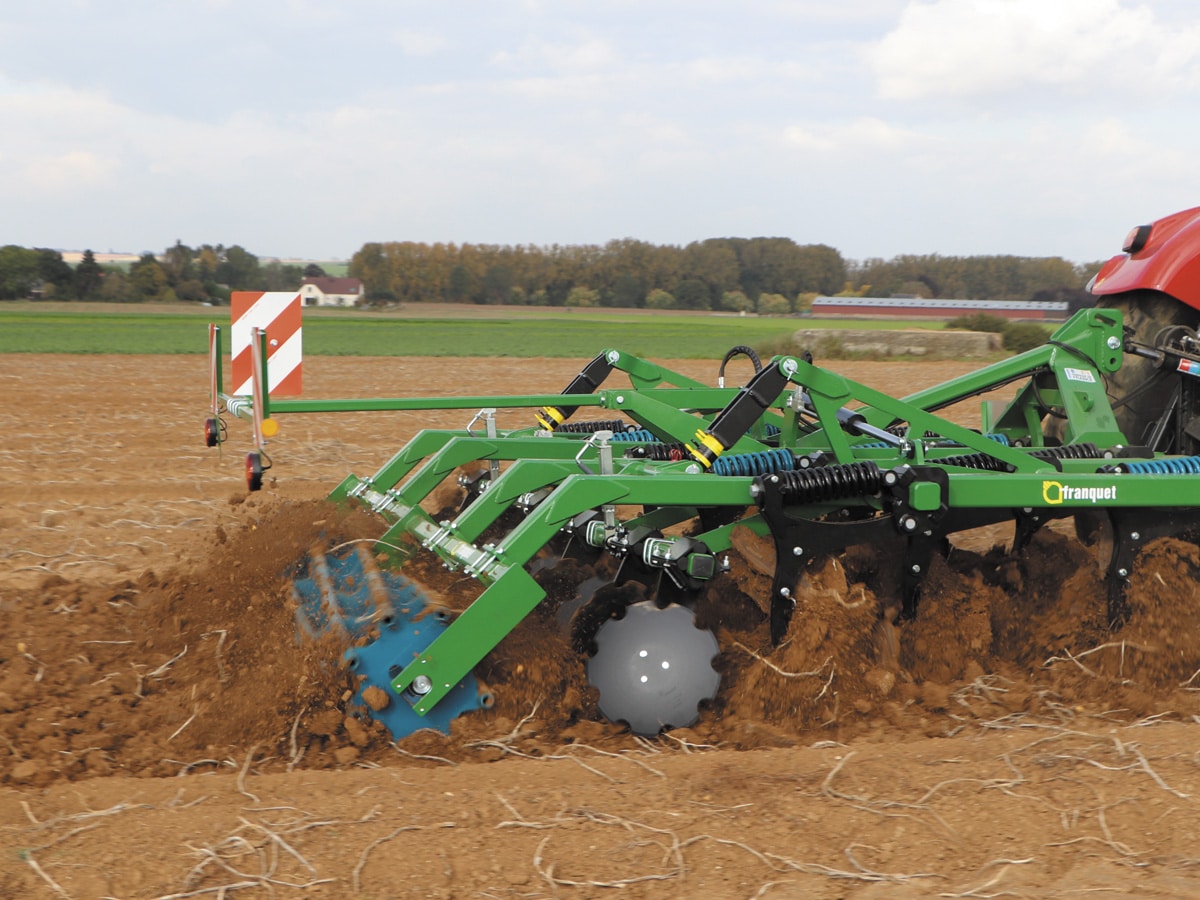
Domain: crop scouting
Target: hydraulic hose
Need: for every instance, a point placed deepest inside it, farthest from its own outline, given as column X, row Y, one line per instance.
column 735, row 419
column 592, row 376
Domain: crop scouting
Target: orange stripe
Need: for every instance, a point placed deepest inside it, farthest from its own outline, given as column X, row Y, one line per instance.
column 241, row 301
column 284, row 326
column 241, row 366
column 290, row 386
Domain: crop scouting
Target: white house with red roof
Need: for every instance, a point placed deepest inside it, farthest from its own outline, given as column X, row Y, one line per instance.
column 324, row 290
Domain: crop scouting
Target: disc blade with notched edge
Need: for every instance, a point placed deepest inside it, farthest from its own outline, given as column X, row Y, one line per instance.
column 654, row 667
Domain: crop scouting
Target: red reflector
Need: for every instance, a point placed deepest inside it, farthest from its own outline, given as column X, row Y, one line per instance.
column 1136, row 239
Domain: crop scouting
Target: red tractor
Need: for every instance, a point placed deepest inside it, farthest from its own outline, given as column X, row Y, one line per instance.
column 1155, row 283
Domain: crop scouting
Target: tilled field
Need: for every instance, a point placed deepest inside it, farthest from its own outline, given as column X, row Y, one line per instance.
column 163, row 733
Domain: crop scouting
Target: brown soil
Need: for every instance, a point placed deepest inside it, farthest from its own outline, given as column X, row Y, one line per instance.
column 164, row 734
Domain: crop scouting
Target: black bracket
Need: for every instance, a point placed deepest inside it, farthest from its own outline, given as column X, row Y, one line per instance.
column 1132, row 529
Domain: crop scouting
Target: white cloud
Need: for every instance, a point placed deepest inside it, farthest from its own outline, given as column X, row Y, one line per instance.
column 862, row 135
column 418, row 43
column 979, row 48
column 69, row 171
column 587, row 54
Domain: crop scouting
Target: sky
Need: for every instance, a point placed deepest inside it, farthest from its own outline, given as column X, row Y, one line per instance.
column 302, row 129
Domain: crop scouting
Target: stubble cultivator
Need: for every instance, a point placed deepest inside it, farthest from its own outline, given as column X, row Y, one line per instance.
column 655, row 481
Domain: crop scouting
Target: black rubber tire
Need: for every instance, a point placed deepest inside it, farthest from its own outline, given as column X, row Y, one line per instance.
column 1140, row 391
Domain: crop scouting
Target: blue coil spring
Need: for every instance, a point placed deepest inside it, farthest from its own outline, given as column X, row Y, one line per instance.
column 637, row 434
column 1188, row 465
column 764, row 462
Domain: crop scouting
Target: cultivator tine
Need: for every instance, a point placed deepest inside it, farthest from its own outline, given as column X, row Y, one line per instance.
column 318, row 609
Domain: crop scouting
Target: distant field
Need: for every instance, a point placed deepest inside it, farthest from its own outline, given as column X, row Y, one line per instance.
column 423, row 331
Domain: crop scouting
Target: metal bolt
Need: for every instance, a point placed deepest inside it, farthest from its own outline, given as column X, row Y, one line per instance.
column 916, row 569
column 797, row 551
column 1124, row 573
column 909, row 523
column 1113, row 342
column 784, row 592
column 1135, row 536
column 421, row 685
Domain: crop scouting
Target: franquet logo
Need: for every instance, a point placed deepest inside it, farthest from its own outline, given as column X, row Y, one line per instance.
column 1055, row 493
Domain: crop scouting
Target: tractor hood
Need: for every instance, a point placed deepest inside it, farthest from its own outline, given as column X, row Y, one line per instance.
column 1163, row 256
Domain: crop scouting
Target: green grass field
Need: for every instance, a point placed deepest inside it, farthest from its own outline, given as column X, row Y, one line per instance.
column 82, row 328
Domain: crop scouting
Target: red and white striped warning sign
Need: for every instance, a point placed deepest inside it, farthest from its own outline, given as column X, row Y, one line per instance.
column 277, row 313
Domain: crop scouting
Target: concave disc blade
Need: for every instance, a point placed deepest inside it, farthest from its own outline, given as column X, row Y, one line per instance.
column 654, row 667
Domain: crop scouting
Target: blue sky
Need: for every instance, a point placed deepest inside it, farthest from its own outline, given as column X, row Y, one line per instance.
column 305, row 128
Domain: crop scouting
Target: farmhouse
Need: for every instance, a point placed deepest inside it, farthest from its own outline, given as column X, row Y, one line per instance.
column 327, row 291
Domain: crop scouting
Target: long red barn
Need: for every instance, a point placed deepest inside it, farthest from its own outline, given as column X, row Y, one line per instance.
column 914, row 307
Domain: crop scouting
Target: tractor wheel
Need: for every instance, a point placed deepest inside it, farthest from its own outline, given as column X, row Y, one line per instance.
column 1140, row 391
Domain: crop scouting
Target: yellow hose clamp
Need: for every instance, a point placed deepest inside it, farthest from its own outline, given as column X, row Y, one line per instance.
column 550, row 417
column 710, row 449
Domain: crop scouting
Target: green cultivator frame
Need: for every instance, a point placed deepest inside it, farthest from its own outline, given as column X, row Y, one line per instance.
column 807, row 458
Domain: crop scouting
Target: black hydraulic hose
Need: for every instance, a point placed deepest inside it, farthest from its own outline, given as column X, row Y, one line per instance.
column 742, row 412
column 739, row 350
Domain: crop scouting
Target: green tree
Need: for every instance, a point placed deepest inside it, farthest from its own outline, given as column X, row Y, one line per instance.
column 736, row 301
column 822, row 270
column 117, row 288
column 692, row 293
column 88, row 277
column 207, row 261
column 714, row 262
column 148, row 279
column 192, row 291
column 773, row 305
column 580, row 296
column 463, row 285
column 239, row 269
column 312, row 270
column 178, row 263
column 18, row 272
column 660, row 299
column 58, row 278
column 277, row 276
column 628, row 291
column 498, row 283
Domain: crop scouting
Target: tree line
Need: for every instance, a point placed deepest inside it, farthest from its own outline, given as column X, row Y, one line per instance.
column 774, row 275
column 765, row 275
column 204, row 274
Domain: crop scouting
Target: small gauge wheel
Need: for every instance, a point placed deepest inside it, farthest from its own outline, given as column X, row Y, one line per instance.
column 254, row 471
column 212, row 432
